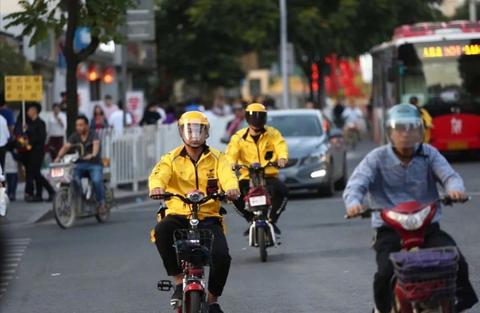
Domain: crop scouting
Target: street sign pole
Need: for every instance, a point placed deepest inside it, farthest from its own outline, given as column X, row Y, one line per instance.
column 24, row 119
column 139, row 27
column 283, row 53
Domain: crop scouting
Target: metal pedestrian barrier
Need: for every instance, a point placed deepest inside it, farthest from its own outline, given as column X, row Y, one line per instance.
column 134, row 152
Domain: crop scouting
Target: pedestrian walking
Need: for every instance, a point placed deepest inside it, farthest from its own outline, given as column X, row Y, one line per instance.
column 63, row 101
column 57, row 126
column 35, row 132
column 171, row 115
column 109, row 107
column 7, row 113
column 4, row 137
column 99, row 120
column 116, row 120
column 150, row 115
column 11, row 174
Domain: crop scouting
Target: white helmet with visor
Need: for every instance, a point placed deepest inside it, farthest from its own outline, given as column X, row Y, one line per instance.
column 404, row 126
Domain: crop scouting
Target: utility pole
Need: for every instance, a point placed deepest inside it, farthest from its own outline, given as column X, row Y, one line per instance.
column 473, row 10
column 124, row 80
column 283, row 53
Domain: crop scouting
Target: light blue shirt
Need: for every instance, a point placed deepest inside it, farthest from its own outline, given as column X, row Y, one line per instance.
column 387, row 181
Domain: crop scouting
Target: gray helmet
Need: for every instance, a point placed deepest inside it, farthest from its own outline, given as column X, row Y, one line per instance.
column 404, row 118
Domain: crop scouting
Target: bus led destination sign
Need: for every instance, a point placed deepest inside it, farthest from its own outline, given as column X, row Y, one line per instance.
column 450, row 51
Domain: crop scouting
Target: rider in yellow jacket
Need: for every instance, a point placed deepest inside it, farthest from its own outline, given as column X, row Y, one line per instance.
column 194, row 166
column 260, row 144
column 426, row 119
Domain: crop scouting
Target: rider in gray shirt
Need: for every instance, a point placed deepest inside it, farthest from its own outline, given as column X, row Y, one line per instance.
column 405, row 170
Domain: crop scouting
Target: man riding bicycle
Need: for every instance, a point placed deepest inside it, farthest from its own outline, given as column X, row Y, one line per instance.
column 194, row 166
column 90, row 161
column 401, row 171
column 260, row 144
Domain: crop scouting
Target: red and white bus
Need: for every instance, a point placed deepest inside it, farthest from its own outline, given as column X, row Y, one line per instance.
column 439, row 63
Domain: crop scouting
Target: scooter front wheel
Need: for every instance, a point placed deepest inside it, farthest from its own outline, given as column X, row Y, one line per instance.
column 262, row 244
column 102, row 218
column 63, row 210
column 193, row 302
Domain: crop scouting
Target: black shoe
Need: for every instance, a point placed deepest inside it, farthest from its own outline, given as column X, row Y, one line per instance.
column 50, row 198
column 177, row 297
column 276, row 229
column 214, row 308
column 37, row 199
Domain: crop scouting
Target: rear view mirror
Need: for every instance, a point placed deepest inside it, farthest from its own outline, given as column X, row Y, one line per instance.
column 269, row 155
column 335, row 133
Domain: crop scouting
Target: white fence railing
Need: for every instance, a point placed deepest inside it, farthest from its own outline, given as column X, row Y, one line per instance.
column 134, row 153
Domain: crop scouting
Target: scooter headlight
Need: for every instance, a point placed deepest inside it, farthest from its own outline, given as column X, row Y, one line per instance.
column 410, row 221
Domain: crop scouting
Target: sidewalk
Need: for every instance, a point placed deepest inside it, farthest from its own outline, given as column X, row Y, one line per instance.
column 24, row 213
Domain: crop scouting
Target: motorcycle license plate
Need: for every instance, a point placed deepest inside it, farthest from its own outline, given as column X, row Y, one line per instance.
column 257, row 201
column 57, row 172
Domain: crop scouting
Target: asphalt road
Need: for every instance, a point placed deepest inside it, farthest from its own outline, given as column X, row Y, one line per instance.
column 325, row 263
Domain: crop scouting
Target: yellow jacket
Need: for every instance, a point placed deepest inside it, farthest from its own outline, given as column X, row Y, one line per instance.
column 177, row 173
column 243, row 149
column 427, row 124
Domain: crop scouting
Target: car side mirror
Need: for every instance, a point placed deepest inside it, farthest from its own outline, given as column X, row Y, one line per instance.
column 335, row 133
column 268, row 155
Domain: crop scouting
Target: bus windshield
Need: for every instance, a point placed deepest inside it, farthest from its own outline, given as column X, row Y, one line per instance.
column 441, row 74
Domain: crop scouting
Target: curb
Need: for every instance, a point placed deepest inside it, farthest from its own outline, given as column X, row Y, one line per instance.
column 126, row 199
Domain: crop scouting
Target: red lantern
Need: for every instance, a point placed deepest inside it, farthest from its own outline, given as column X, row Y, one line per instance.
column 108, row 75
column 93, row 74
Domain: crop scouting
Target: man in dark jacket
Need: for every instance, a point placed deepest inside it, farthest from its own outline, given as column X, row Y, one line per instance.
column 33, row 154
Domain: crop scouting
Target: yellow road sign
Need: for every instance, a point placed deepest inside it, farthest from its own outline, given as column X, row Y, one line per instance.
column 23, row 88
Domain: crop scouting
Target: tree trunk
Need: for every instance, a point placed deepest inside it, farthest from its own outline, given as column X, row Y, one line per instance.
column 72, row 97
column 73, row 7
column 321, row 92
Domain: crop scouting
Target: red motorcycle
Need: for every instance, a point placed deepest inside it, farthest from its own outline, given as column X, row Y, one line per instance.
column 424, row 278
column 193, row 247
column 258, row 201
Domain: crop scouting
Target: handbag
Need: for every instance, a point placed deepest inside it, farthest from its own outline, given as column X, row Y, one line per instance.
column 3, row 201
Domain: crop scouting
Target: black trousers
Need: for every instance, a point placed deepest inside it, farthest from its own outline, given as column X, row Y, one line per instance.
column 278, row 191
column 220, row 257
column 33, row 164
column 3, row 151
column 388, row 241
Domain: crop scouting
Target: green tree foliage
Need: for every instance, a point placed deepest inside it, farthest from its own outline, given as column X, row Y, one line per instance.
column 202, row 41
column 348, row 27
column 12, row 62
column 102, row 17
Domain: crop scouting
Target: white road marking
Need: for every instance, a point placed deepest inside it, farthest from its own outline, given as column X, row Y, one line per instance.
column 15, row 249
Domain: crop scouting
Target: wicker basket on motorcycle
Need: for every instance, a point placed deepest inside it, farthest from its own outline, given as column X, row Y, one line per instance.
column 193, row 246
column 426, row 274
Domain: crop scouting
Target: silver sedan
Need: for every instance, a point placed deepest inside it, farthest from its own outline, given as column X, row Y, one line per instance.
column 317, row 155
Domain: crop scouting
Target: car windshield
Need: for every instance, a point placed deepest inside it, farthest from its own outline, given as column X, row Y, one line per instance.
column 296, row 125
column 441, row 74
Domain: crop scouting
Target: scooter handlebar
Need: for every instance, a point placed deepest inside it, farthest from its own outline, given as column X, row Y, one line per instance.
column 367, row 212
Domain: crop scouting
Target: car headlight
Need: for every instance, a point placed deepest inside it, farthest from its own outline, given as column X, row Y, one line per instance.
column 314, row 159
column 410, row 221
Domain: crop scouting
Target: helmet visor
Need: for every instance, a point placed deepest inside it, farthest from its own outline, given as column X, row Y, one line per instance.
column 194, row 134
column 405, row 133
column 256, row 119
